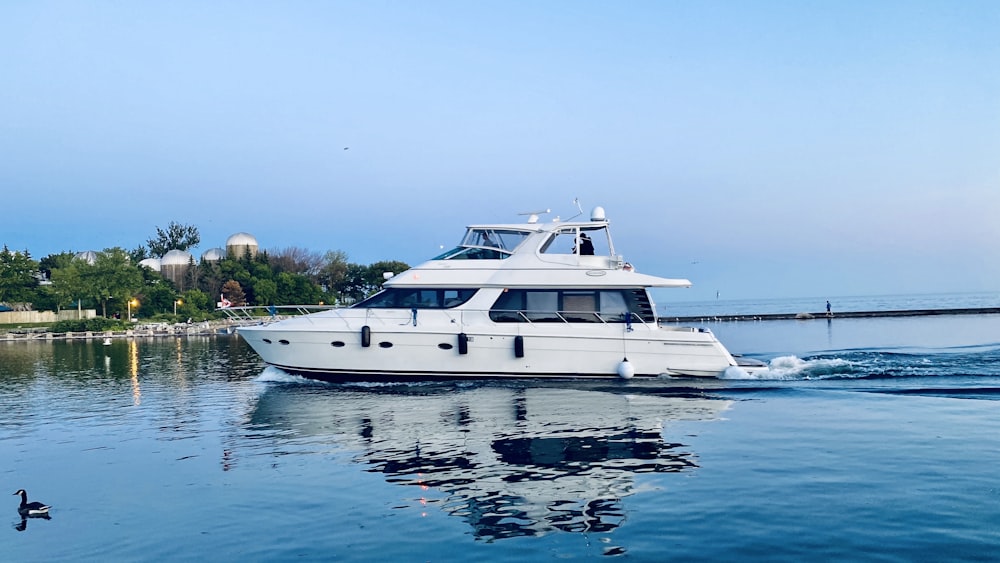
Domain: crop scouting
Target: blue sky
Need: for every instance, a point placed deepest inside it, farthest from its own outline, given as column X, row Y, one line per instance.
column 760, row 149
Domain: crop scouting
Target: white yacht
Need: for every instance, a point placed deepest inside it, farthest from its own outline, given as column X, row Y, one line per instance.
column 525, row 300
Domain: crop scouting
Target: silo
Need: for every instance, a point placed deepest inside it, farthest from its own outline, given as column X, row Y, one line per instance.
column 213, row 255
column 151, row 263
column 240, row 245
column 174, row 265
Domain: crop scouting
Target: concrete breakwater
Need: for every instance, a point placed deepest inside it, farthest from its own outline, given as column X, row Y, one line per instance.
column 834, row 315
column 152, row 330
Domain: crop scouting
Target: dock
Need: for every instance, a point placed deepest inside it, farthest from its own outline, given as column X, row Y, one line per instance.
column 831, row 316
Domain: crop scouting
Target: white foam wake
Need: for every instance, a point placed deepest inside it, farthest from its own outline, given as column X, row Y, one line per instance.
column 793, row 367
column 272, row 374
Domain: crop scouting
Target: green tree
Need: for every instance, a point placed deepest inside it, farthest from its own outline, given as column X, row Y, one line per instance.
column 297, row 289
column 157, row 298
column 18, row 281
column 112, row 276
column 190, row 279
column 54, row 261
column 194, row 300
column 265, row 292
column 177, row 236
column 67, row 283
column 211, row 277
column 333, row 271
column 377, row 271
column 354, row 285
column 138, row 254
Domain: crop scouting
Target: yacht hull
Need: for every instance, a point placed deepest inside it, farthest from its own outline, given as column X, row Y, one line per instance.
column 478, row 352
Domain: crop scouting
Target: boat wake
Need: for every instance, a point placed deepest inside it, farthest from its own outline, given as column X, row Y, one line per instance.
column 791, row 367
column 272, row 374
column 881, row 364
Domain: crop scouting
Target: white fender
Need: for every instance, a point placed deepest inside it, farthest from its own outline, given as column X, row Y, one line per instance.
column 625, row 369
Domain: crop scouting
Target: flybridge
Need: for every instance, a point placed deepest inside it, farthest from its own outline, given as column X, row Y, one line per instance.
column 501, row 241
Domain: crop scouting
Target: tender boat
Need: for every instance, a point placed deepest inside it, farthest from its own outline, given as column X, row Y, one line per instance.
column 525, row 300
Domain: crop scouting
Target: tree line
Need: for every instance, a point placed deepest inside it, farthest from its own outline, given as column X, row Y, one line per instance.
column 113, row 282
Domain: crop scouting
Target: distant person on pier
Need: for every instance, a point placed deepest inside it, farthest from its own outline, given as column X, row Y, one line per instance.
column 829, row 311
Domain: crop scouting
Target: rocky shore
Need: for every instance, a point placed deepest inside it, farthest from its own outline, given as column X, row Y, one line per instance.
column 151, row 330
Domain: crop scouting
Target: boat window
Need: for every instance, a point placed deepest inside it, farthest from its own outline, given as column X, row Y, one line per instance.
column 416, row 298
column 613, row 304
column 580, row 306
column 503, row 239
column 541, row 305
column 472, row 253
column 564, row 241
column 640, row 305
column 572, row 305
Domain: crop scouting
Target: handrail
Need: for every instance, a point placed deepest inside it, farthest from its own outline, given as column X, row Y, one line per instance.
column 260, row 313
column 264, row 314
column 562, row 316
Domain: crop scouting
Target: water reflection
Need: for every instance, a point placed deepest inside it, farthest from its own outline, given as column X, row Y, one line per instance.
column 23, row 524
column 511, row 460
column 133, row 363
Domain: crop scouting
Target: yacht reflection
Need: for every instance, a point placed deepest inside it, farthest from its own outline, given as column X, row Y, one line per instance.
column 511, row 461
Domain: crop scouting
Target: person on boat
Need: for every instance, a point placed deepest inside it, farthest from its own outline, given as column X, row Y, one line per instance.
column 585, row 245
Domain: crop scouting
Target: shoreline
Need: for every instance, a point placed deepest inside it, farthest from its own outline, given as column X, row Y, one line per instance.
column 204, row 328
column 831, row 316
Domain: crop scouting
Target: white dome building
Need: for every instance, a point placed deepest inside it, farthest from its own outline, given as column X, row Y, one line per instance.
column 174, row 266
column 89, row 256
column 240, row 245
column 151, row 263
column 213, row 255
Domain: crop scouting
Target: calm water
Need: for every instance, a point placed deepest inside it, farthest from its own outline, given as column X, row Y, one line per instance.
column 873, row 439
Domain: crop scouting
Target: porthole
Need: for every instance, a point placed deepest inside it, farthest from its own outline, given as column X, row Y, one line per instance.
column 445, row 346
column 385, row 344
column 283, row 341
column 337, row 344
column 267, row 340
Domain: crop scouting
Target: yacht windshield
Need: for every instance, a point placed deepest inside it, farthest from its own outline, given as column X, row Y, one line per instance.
column 485, row 244
column 502, row 239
